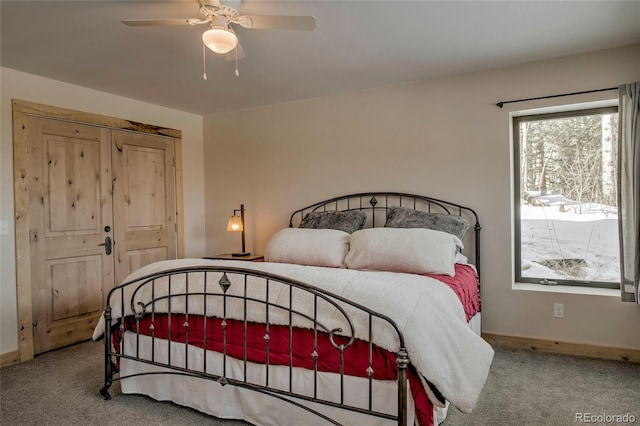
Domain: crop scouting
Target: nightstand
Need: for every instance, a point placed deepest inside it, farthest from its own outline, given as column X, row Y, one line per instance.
column 229, row 256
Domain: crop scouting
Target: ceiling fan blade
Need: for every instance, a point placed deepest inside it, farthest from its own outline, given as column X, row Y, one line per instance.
column 215, row 3
column 154, row 22
column 276, row 22
column 231, row 56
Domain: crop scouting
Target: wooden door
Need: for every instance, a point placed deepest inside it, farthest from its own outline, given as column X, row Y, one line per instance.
column 91, row 183
column 144, row 196
column 70, row 215
column 35, row 243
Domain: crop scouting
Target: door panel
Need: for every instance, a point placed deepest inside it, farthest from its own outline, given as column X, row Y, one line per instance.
column 73, row 178
column 144, row 168
column 144, row 200
column 70, row 205
column 84, row 296
column 138, row 258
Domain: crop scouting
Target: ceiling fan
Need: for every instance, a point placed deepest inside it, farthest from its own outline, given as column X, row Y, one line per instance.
column 220, row 37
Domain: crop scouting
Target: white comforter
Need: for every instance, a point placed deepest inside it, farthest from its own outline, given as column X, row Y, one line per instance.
column 440, row 344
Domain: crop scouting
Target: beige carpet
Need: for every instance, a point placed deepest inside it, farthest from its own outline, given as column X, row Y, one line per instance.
column 524, row 388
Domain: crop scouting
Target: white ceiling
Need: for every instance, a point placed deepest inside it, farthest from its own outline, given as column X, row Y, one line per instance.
column 356, row 45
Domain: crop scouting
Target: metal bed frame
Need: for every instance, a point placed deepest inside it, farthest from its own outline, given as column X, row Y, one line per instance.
column 158, row 285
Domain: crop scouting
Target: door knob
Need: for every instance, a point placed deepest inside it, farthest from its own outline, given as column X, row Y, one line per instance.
column 107, row 246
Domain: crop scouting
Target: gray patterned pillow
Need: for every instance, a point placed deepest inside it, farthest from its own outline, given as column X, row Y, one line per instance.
column 347, row 221
column 403, row 217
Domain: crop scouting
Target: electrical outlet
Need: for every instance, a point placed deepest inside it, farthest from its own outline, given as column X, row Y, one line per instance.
column 558, row 310
column 4, row 227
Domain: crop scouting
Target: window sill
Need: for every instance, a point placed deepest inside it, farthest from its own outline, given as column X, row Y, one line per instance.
column 567, row 289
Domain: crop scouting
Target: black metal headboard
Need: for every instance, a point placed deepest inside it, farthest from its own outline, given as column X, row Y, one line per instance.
column 376, row 205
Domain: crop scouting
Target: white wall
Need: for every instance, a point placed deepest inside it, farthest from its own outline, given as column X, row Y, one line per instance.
column 441, row 137
column 19, row 85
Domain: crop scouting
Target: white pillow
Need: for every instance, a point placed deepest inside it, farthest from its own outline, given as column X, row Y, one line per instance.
column 304, row 246
column 410, row 250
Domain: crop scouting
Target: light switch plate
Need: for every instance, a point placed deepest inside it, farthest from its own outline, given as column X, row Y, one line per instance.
column 4, row 227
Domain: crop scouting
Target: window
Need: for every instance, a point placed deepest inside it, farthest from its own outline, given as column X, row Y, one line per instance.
column 566, row 223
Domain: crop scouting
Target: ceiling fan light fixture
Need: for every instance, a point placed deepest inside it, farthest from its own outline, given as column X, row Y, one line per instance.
column 220, row 39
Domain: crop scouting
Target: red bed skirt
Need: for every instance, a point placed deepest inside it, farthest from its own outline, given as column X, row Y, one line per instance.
column 356, row 356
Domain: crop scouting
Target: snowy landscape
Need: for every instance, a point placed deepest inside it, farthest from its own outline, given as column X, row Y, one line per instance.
column 586, row 235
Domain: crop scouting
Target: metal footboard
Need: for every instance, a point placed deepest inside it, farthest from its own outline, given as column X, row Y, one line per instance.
column 244, row 295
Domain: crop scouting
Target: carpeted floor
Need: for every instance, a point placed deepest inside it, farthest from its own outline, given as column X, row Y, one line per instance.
column 537, row 388
column 524, row 388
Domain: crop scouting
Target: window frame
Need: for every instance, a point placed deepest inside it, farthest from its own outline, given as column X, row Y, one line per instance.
column 515, row 122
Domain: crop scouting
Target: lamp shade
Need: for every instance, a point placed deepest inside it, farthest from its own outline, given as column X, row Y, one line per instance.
column 220, row 39
column 235, row 224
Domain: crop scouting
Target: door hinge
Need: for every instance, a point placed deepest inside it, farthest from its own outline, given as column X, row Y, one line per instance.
column 33, row 328
column 174, row 161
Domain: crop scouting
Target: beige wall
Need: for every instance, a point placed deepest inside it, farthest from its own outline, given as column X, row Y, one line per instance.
column 441, row 137
column 18, row 85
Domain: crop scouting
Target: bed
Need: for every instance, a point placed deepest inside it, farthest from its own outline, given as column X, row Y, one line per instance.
column 365, row 311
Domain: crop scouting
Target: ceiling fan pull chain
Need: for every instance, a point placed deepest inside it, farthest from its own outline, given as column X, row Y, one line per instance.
column 237, row 72
column 204, row 63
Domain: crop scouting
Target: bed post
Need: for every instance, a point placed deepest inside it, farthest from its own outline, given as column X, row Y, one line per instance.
column 477, row 228
column 108, row 367
column 402, row 360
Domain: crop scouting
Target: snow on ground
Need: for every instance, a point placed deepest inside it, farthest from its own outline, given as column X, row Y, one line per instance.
column 592, row 235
